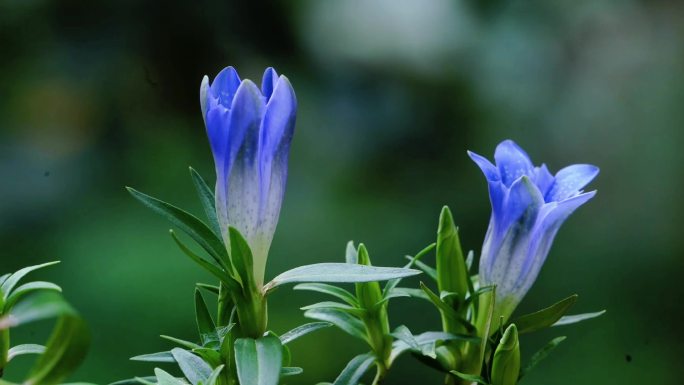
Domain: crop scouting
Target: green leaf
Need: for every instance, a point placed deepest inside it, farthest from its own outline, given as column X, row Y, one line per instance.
column 29, row 288
column 338, row 306
column 193, row 368
column 403, row 333
column 188, row 223
column 34, row 308
column 133, row 381
column 13, row 279
column 65, row 350
column 302, row 330
column 166, row 357
column 290, row 371
column 571, row 319
column 446, row 310
column 545, row 317
column 409, row 292
column 342, row 320
column 218, row 272
column 391, row 284
column 206, row 196
column 540, row 355
column 258, row 361
column 350, row 255
column 213, row 378
column 205, row 325
column 210, row 288
column 355, row 369
column 183, row 343
column 431, row 272
column 209, row 355
column 452, row 273
column 329, row 289
column 469, row 377
column 241, row 255
column 164, row 378
column 338, row 272
column 20, row 350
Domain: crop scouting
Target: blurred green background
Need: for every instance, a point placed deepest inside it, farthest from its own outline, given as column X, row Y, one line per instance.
column 96, row 95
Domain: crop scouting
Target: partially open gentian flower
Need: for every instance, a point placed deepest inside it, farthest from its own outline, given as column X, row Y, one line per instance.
column 528, row 207
column 250, row 131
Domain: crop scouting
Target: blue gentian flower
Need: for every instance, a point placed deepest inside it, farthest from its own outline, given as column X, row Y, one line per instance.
column 250, row 131
column 529, row 205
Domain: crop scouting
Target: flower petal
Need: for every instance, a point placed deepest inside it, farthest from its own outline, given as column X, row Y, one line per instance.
column 268, row 82
column 239, row 206
column 512, row 161
column 276, row 136
column 543, row 179
column 521, row 205
column 570, row 180
column 551, row 217
column 488, row 169
column 225, row 86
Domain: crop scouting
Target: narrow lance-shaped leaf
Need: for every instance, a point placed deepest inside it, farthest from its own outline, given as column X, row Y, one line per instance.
column 545, row 317
column 28, row 288
column 571, row 319
column 206, row 196
column 540, row 355
column 218, row 272
column 355, row 369
column 338, row 272
column 391, row 284
column 13, row 279
column 342, row 320
column 65, row 350
column 205, row 325
column 187, row 222
column 21, row 350
column 329, row 289
column 302, row 330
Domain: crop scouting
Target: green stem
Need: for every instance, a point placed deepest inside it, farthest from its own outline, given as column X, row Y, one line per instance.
column 4, row 349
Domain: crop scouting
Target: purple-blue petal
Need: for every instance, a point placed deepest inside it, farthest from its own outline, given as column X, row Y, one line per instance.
column 268, row 82
column 488, row 169
column 570, row 180
column 225, row 85
column 543, row 179
column 512, row 161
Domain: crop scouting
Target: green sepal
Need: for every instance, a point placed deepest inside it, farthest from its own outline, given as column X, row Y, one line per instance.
column 506, row 362
column 546, row 317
